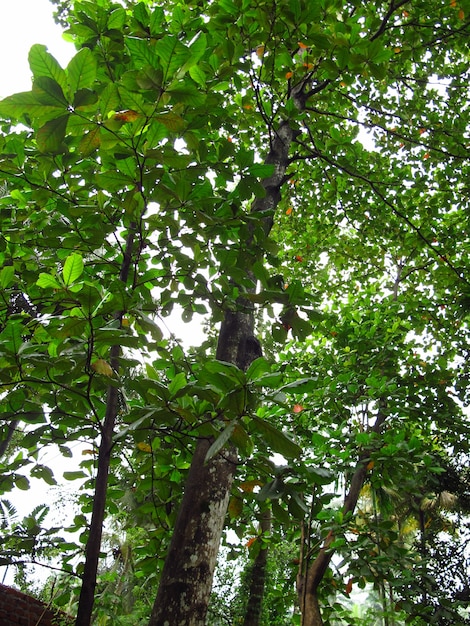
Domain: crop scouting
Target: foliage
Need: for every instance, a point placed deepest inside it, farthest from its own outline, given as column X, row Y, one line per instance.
column 134, row 184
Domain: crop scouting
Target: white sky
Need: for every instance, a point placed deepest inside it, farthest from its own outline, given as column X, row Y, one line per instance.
column 22, row 24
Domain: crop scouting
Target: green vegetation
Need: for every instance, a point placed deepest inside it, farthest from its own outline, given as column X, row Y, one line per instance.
column 291, row 176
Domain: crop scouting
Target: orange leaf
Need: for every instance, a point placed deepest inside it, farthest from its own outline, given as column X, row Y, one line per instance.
column 298, row 258
column 289, row 75
column 396, row 50
column 259, row 51
column 426, row 156
column 248, row 485
column 250, row 542
column 289, row 211
column 461, row 14
column 349, row 586
column 126, row 116
column 301, row 45
column 297, row 408
column 370, row 465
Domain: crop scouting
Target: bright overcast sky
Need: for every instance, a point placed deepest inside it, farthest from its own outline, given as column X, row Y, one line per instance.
column 22, row 24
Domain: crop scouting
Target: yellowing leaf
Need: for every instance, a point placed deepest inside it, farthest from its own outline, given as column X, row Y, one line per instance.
column 100, row 366
column 259, row 51
column 248, row 485
column 145, row 447
column 235, row 507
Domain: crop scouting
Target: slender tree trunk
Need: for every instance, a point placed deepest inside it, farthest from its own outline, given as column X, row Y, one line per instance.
column 93, row 546
column 310, row 578
column 258, row 577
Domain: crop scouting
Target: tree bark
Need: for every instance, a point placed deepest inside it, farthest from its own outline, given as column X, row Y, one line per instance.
column 93, row 546
column 185, row 584
column 186, row 580
column 258, row 577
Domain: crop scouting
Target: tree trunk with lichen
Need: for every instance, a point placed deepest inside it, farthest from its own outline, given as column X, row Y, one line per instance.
column 186, row 581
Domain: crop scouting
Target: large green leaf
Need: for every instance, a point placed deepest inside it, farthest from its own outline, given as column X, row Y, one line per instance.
column 81, row 70
column 50, row 137
column 276, row 439
column 73, row 268
column 42, row 63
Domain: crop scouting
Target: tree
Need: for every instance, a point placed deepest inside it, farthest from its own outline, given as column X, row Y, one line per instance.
column 299, row 163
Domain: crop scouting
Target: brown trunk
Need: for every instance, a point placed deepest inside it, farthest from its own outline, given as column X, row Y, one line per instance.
column 184, row 590
column 185, row 584
column 93, row 546
column 258, row 577
column 310, row 611
column 308, row 583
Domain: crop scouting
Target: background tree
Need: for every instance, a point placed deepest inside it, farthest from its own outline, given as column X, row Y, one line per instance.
column 304, row 163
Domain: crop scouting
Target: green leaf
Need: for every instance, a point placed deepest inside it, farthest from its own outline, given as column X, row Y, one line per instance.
column 117, row 18
column 320, row 476
column 21, row 482
column 90, row 141
column 258, row 368
column 42, row 63
column 172, row 53
column 73, row 268
column 276, row 439
column 261, row 170
column 187, row 94
column 81, row 70
column 50, row 137
column 52, row 89
column 7, row 275
column 177, row 383
column 109, row 99
column 45, row 473
column 272, row 490
column 46, row 281
column 198, row 75
column 74, row 475
column 113, row 181
column 220, row 442
column 14, row 107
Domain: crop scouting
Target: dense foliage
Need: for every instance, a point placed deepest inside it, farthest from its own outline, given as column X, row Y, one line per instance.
column 304, row 163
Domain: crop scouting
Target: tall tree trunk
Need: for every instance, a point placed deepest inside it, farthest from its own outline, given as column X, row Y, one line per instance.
column 185, row 584
column 258, row 577
column 186, row 580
